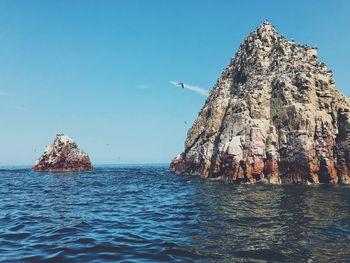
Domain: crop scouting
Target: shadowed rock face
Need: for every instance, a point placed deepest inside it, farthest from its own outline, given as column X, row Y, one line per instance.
column 274, row 115
column 63, row 155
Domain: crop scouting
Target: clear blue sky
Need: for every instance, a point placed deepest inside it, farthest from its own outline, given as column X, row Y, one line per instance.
column 99, row 71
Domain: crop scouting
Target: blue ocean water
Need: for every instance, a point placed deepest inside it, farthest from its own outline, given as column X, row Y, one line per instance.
column 146, row 214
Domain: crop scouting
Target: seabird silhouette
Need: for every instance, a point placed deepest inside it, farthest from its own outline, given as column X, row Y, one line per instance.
column 181, row 84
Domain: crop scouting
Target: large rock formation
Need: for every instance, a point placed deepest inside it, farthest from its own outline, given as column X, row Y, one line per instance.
column 274, row 115
column 63, row 155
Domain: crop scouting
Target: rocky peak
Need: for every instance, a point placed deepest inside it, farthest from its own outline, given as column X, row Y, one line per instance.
column 60, row 141
column 274, row 114
column 63, row 155
column 265, row 31
column 266, row 24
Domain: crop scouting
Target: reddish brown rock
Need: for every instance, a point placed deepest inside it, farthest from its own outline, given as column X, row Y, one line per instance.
column 274, row 115
column 63, row 156
column 343, row 146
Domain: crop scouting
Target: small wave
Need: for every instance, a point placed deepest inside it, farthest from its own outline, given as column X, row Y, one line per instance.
column 261, row 254
column 15, row 236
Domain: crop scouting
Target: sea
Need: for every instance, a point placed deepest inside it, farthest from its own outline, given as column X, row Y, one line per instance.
column 144, row 213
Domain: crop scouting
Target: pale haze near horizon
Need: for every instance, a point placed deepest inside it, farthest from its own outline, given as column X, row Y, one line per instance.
column 100, row 71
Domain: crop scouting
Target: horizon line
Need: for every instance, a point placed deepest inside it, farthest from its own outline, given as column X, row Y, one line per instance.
column 99, row 164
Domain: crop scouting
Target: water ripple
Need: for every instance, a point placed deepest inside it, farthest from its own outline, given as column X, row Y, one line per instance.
column 145, row 214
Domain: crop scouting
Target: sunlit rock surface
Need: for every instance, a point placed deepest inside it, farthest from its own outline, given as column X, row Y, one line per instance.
column 63, row 155
column 273, row 116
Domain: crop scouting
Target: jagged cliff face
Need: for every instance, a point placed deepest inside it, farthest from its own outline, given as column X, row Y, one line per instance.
column 63, row 155
column 274, row 115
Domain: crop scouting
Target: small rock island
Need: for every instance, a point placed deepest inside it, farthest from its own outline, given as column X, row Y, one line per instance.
column 63, row 156
column 274, row 116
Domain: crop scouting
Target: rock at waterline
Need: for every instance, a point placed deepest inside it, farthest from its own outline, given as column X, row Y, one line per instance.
column 274, row 115
column 63, row 155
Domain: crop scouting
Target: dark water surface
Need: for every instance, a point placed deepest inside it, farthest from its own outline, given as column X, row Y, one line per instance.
column 146, row 214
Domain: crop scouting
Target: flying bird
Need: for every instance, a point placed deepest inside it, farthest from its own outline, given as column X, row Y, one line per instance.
column 196, row 89
column 180, row 84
